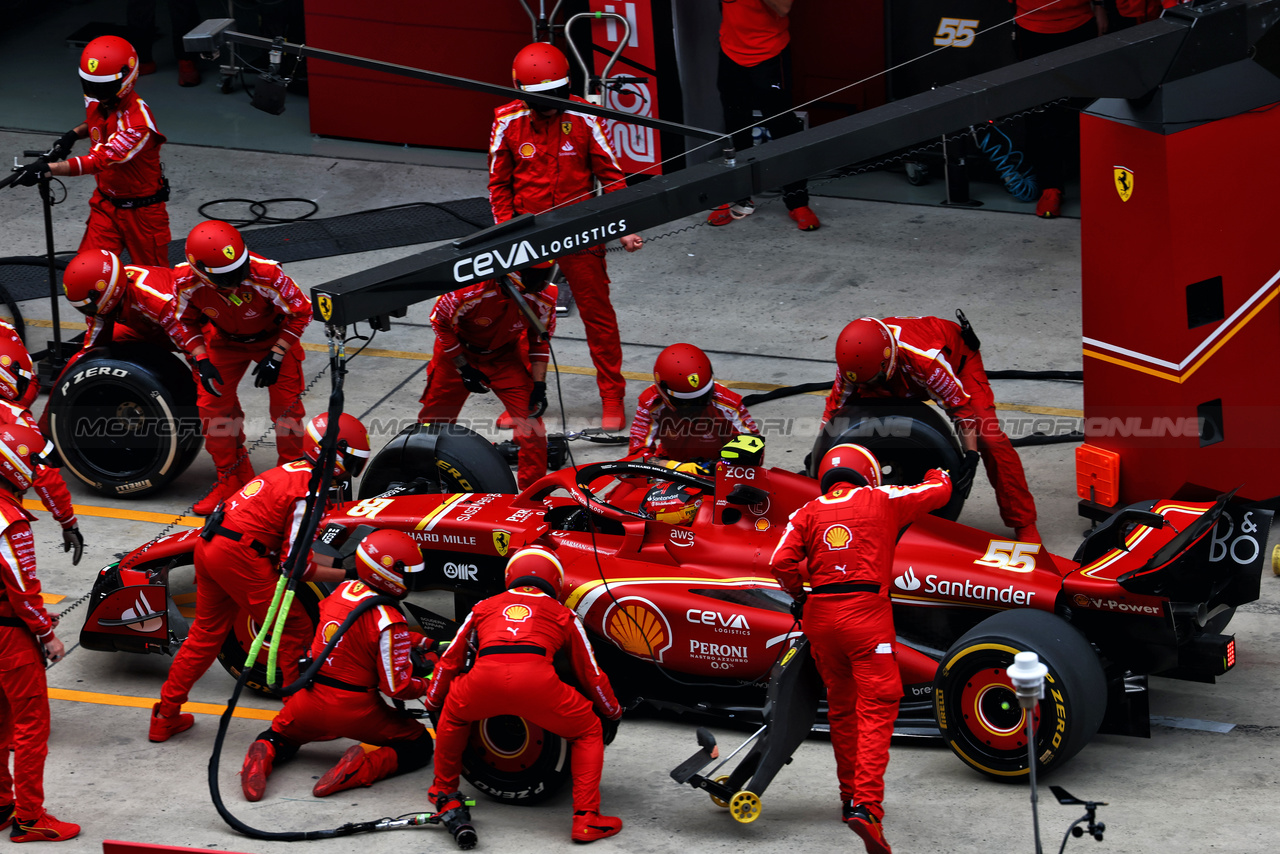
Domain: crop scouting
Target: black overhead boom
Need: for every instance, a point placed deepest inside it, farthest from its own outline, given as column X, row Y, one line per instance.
column 1129, row 64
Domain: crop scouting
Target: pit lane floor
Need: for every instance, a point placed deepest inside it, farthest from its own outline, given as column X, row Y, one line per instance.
column 767, row 301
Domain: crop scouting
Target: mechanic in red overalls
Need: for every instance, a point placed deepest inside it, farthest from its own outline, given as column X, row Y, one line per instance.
column 235, row 308
column 343, row 701
column 687, row 416
column 26, row 641
column 541, row 159
column 481, row 336
column 238, row 561
column 517, row 633
column 121, row 302
column 845, row 540
column 17, row 378
column 916, row 357
column 127, row 210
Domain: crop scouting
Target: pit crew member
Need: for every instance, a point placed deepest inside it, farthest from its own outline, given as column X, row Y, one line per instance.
column 540, row 159
column 127, row 210
column 481, row 336
column 237, row 308
column 238, row 561
column 841, row 545
column 122, row 302
column 516, row 634
column 342, row 702
column 916, row 357
column 27, row 640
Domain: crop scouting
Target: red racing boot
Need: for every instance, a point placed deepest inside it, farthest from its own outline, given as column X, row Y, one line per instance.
column 865, row 823
column 505, row 421
column 227, row 485
column 614, row 418
column 357, row 768
column 589, row 825
column 163, row 726
column 45, row 828
column 258, row 760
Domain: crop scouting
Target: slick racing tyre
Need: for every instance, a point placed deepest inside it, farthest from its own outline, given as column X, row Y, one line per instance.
column 978, row 712
column 446, row 457
column 907, row 436
column 513, row 761
column 124, row 419
column 235, row 649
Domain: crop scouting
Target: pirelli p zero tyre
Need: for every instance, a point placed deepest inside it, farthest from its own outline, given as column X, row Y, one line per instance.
column 908, row 437
column 235, row 649
column 450, row 458
column 124, row 419
column 978, row 712
column 513, row 761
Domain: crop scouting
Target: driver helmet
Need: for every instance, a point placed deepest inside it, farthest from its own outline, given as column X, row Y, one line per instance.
column 108, row 68
column 21, row 451
column 866, row 352
column 672, row 503
column 536, row 566
column 682, row 375
column 94, row 282
column 385, row 557
column 17, row 374
column 541, row 68
column 848, row 463
column 353, row 443
column 216, row 252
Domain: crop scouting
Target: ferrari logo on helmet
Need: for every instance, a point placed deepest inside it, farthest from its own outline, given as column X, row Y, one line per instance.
column 851, row 376
column 326, row 307
column 566, row 127
column 501, row 542
column 93, row 65
column 1124, row 182
column 517, row 613
column 837, row 537
column 229, row 251
column 693, row 380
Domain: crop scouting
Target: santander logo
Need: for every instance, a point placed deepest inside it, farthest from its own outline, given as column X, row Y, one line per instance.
column 141, row 608
column 908, row 580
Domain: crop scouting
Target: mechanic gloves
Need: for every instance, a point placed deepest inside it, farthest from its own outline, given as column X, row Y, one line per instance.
column 538, row 400
column 473, row 378
column 209, row 376
column 29, row 174
column 962, row 478
column 797, row 606
column 62, row 148
column 268, row 370
column 73, row 541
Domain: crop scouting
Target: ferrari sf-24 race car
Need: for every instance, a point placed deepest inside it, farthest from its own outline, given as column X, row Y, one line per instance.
column 687, row 618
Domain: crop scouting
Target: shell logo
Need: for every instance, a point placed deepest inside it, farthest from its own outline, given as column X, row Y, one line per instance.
column 388, row 561
column 100, row 285
column 23, row 450
column 6, row 361
column 837, row 537
column 1081, row 600
column 887, row 353
column 252, row 488
column 528, row 150
column 638, row 628
column 229, row 251
column 132, row 62
column 93, row 65
column 762, row 524
column 329, row 629
column 95, row 134
column 517, row 613
column 693, row 381
column 212, row 312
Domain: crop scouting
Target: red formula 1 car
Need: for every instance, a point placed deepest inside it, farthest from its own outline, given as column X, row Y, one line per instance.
column 687, row 617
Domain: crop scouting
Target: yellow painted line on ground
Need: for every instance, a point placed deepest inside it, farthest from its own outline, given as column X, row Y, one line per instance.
column 148, row 702
column 52, row 598
column 130, row 515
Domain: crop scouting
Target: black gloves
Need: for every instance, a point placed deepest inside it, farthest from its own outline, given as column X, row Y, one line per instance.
column 609, row 728
column 268, row 370
column 62, row 148
column 474, row 379
column 73, row 541
column 797, row 606
column 538, row 400
column 962, row 477
column 209, row 376
column 30, row 174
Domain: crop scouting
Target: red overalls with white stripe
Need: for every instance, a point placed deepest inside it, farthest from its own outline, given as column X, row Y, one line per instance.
column 659, row 430
column 125, row 158
column 523, row 684
column 147, row 311
column 537, row 163
column 844, row 537
column 49, row 485
column 933, row 361
column 231, row 576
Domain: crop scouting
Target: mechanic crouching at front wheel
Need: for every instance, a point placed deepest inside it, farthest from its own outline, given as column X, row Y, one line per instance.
column 515, row 635
column 342, row 700
column 847, row 536
column 238, row 561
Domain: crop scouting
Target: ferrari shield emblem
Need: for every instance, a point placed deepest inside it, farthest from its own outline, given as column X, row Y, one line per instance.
column 1124, row 182
column 229, row 251
column 566, row 127
column 693, row 381
column 326, row 306
column 93, row 65
column 501, row 542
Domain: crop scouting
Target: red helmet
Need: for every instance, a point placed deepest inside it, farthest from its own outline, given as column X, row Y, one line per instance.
column 21, row 450
column 682, row 375
column 673, row 503
column 536, row 566
column 353, row 443
column 541, row 67
column 866, row 351
column 532, row 280
column 848, row 463
column 16, row 370
column 385, row 557
column 217, row 253
column 94, row 282
column 108, row 68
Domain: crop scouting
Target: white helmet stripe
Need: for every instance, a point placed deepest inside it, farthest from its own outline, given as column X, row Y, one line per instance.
column 226, row 268
column 685, row 395
column 100, row 78
column 546, row 84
